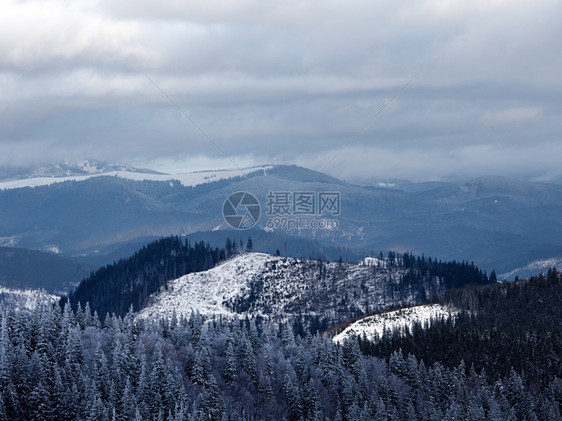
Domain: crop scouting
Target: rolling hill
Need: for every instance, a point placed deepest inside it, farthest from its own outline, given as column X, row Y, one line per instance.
column 497, row 222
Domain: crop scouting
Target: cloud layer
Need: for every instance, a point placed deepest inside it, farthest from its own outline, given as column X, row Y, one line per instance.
column 286, row 82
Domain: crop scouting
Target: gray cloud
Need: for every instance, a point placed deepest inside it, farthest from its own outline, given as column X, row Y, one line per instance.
column 289, row 82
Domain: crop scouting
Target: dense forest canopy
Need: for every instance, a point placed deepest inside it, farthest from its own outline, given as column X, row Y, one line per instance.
column 64, row 365
column 504, row 326
column 498, row 360
column 114, row 288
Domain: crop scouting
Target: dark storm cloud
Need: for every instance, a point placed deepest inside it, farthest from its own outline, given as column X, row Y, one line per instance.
column 289, row 82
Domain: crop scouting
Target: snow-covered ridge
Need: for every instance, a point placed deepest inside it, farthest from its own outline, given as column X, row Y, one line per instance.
column 280, row 287
column 374, row 326
column 185, row 179
column 26, row 299
column 533, row 269
column 205, row 292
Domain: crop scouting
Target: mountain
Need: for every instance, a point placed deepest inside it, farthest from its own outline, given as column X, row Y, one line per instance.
column 66, row 169
column 498, row 329
column 258, row 284
column 497, row 358
column 502, row 362
column 172, row 274
column 22, row 268
column 115, row 288
column 497, row 222
column 13, row 178
column 532, row 269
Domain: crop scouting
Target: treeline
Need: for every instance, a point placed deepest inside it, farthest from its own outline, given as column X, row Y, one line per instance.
column 506, row 330
column 453, row 274
column 332, row 294
column 64, row 365
column 114, row 288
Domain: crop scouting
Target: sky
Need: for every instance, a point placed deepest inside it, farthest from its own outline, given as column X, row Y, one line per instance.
column 362, row 90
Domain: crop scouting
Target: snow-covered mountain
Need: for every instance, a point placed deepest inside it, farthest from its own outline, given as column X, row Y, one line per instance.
column 65, row 169
column 274, row 286
column 532, row 269
column 60, row 172
column 374, row 326
column 498, row 223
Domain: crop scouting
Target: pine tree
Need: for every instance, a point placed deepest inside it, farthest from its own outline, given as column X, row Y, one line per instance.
column 292, row 394
column 231, row 366
column 210, row 402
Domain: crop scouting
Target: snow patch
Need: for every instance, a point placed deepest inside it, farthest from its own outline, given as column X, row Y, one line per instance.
column 373, row 262
column 25, row 299
column 185, row 179
column 374, row 326
column 533, row 269
column 206, row 292
column 8, row 241
column 53, row 249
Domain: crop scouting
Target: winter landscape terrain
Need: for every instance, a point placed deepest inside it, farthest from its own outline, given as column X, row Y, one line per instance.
column 257, row 284
column 374, row 327
column 499, row 223
column 280, row 211
column 265, row 324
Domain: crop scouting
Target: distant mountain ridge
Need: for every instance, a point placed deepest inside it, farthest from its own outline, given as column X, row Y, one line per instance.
column 66, row 169
column 21, row 268
column 497, row 222
column 59, row 172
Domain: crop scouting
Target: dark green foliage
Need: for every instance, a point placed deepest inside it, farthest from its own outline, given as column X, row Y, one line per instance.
column 62, row 365
column 114, row 288
column 504, row 327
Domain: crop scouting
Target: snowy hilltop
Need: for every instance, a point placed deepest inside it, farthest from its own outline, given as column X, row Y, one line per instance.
column 86, row 169
column 274, row 286
column 373, row 327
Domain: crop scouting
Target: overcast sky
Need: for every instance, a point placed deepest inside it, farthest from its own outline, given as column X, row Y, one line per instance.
column 449, row 89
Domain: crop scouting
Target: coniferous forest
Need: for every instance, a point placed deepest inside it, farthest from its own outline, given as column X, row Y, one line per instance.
column 114, row 288
column 88, row 358
column 60, row 364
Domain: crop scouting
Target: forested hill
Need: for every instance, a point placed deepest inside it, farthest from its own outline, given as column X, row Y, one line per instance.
column 62, row 365
column 510, row 331
column 260, row 283
column 114, row 288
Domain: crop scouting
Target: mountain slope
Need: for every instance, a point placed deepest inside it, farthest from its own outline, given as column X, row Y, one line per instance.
column 115, row 288
column 60, row 173
column 22, row 268
column 24, row 299
column 500, row 328
column 402, row 320
column 497, row 222
column 258, row 284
